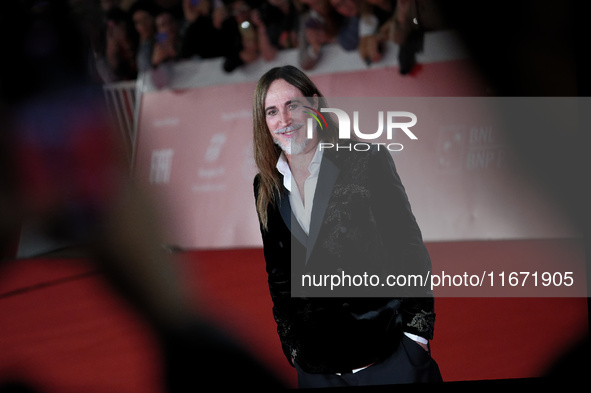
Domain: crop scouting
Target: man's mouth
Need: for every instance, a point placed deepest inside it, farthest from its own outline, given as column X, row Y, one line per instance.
column 287, row 131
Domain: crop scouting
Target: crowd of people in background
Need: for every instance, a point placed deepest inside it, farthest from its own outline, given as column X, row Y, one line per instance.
column 139, row 35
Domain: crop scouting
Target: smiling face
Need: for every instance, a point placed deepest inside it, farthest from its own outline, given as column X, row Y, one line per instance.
column 286, row 120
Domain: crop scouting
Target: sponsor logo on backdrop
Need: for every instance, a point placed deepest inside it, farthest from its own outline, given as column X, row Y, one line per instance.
column 167, row 122
column 211, row 173
column 473, row 148
column 160, row 166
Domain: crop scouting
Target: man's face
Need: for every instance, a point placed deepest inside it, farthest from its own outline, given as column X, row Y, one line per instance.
column 286, row 120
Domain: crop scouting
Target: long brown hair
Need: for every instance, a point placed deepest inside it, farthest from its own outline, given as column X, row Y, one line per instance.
column 266, row 152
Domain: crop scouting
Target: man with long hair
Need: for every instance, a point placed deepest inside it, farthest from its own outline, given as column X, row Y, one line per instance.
column 333, row 212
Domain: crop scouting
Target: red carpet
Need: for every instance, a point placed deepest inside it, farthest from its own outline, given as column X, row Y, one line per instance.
column 64, row 331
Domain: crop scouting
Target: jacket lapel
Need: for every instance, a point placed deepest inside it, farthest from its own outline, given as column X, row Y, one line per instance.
column 288, row 217
column 327, row 177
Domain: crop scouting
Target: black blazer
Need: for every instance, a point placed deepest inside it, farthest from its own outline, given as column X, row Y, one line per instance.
column 361, row 223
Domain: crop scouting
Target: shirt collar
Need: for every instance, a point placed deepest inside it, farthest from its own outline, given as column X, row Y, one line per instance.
column 283, row 167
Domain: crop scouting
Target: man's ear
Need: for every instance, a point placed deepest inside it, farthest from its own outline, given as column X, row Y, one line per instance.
column 315, row 101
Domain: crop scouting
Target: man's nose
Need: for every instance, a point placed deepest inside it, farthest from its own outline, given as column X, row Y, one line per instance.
column 285, row 118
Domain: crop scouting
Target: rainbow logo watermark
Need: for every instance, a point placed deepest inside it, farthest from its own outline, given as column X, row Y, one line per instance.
column 316, row 115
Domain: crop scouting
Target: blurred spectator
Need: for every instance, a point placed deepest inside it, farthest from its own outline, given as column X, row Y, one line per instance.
column 168, row 41
column 241, row 31
column 407, row 35
column 65, row 172
column 382, row 9
column 219, row 14
column 143, row 14
column 173, row 6
column 193, row 9
column 202, row 37
column 120, row 46
column 348, row 37
column 375, row 16
column 240, row 37
column 102, row 24
column 107, row 5
column 277, row 24
column 412, row 19
column 319, row 25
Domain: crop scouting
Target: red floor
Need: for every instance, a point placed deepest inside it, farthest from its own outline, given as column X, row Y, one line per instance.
column 63, row 330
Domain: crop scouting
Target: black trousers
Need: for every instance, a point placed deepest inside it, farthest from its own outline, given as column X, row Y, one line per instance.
column 410, row 363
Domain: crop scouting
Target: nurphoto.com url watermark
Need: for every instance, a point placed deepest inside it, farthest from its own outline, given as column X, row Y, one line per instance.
column 485, row 279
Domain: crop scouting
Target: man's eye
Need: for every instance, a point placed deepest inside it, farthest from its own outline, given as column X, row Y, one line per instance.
column 271, row 112
column 293, row 106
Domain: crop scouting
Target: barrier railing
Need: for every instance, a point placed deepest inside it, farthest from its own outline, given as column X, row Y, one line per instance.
column 122, row 103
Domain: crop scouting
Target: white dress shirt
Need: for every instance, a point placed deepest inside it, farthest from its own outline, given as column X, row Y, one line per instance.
column 302, row 208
